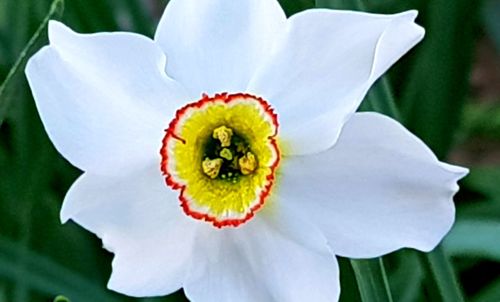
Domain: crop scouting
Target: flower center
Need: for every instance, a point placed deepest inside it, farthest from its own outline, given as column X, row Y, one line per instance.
column 221, row 154
column 227, row 156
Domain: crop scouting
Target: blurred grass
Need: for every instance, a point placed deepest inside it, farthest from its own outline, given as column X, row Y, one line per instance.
column 55, row 11
column 427, row 90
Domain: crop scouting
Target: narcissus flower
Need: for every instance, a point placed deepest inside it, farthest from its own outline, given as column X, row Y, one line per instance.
column 225, row 156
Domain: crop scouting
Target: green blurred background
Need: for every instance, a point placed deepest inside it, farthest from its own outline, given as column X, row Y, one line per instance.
column 446, row 91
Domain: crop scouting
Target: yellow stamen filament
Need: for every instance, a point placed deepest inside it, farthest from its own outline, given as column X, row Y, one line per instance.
column 247, row 163
column 226, row 154
column 223, row 134
column 211, row 167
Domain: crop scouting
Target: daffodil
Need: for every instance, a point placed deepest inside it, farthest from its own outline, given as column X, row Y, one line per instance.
column 225, row 156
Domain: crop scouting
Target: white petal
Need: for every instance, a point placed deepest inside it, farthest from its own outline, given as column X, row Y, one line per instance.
column 323, row 68
column 139, row 219
column 377, row 190
column 104, row 98
column 220, row 273
column 214, row 46
column 266, row 259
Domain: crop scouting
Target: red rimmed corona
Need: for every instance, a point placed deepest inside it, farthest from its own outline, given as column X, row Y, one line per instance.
column 221, row 154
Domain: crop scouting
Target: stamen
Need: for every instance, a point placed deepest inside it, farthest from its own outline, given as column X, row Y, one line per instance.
column 211, row 167
column 247, row 163
column 227, row 155
column 223, row 134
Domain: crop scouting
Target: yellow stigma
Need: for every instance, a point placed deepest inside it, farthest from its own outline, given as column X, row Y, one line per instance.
column 223, row 134
column 226, row 154
column 211, row 167
column 247, row 163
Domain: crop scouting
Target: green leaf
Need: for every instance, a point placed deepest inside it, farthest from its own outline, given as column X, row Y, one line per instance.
column 485, row 181
column 484, row 204
column 372, row 280
column 294, row 6
column 348, row 281
column 55, row 11
column 95, row 15
column 341, row 4
column 482, row 120
column 405, row 275
column 139, row 18
column 441, row 281
column 380, row 99
column 491, row 17
column 463, row 241
column 490, row 294
column 478, row 216
column 42, row 274
column 434, row 94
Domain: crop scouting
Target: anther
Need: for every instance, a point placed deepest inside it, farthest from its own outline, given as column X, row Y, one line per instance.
column 211, row 167
column 247, row 163
column 223, row 134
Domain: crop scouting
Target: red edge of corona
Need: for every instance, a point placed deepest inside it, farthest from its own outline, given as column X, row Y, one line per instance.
column 170, row 134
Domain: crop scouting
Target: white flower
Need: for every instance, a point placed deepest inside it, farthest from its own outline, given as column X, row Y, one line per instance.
column 274, row 170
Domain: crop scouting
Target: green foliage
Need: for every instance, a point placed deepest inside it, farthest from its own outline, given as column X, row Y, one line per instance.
column 294, row 6
column 479, row 216
column 427, row 91
column 491, row 16
column 371, row 277
column 435, row 91
column 54, row 12
column 482, row 121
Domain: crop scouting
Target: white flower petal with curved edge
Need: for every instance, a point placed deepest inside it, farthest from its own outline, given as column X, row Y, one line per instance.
column 214, row 46
column 270, row 258
column 377, row 190
column 138, row 219
column 323, row 68
column 103, row 98
column 221, row 275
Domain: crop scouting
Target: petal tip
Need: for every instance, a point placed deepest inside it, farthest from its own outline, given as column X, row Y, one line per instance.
column 419, row 32
column 56, row 31
column 412, row 14
column 458, row 171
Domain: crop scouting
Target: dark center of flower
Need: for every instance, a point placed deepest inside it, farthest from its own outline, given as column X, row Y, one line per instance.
column 227, row 156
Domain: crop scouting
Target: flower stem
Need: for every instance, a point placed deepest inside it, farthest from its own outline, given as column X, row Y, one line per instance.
column 441, row 282
column 372, row 280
